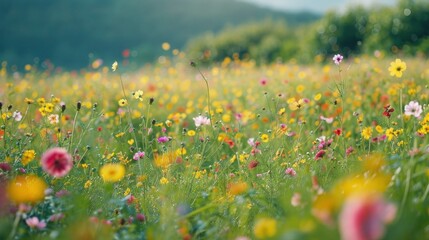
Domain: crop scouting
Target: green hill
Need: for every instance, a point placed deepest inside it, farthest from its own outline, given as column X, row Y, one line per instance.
column 69, row 32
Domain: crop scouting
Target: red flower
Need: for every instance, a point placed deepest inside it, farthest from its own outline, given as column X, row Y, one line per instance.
column 388, row 110
column 337, row 131
column 57, row 162
column 319, row 155
column 253, row 164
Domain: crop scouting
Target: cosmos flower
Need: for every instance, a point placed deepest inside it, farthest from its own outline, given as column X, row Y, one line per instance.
column 138, row 155
column 17, row 116
column 57, row 162
column 337, row 59
column 413, row 108
column 290, row 171
column 397, row 68
column 201, row 120
column 34, row 222
column 364, row 218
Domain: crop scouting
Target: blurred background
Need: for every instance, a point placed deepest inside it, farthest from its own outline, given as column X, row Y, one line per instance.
column 76, row 34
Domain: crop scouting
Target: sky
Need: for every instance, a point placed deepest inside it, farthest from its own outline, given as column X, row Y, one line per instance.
column 319, row 6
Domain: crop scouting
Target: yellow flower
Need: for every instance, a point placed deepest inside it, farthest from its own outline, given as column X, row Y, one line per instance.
column 115, row 66
column 27, row 156
column 281, row 111
column 28, row 100
column 127, row 192
column 163, row 180
column 164, row 160
column 238, row 188
column 265, row 228
column 181, row 151
column 87, row 184
column 26, row 189
column 379, row 129
column 397, row 68
column 367, row 133
column 265, row 138
column 191, row 133
column 122, row 102
column 131, row 141
column 112, row 172
column 49, row 107
column 295, row 105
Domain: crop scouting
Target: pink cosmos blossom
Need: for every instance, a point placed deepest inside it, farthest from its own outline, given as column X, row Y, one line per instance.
column 290, row 171
column 413, row 108
column 319, row 155
column 263, row 81
column 138, row 155
column 57, row 162
column 327, row 120
column 34, row 222
column 363, row 218
column 201, row 120
column 337, row 59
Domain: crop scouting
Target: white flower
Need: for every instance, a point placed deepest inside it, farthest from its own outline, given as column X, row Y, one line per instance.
column 35, row 223
column 200, row 120
column 413, row 108
column 337, row 59
column 17, row 116
column 53, row 118
column 115, row 66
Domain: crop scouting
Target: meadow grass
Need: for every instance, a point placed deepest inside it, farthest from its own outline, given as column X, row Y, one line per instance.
column 291, row 151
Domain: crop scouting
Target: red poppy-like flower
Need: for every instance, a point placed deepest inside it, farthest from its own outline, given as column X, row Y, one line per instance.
column 388, row 111
column 57, row 162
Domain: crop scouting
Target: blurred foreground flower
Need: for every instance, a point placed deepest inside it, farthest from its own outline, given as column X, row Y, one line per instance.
column 57, row 162
column 397, row 68
column 26, row 189
column 265, row 228
column 363, row 218
column 112, row 172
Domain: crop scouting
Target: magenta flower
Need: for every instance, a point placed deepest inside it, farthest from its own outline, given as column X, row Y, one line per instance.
column 337, row 59
column 138, row 155
column 319, row 155
column 57, row 162
column 413, row 108
column 363, row 218
column 200, row 121
column 163, row 139
column 34, row 222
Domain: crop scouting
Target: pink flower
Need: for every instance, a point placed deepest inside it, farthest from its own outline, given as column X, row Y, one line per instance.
column 138, row 155
column 413, row 108
column 349, row 150
column 57, row 162
column 337, row 59
column 290, row 171
column 263, row 81
column 327, row 120
column 17, row 116
column 319, row 155
column 201, row 120
column 296, row 200
column 363, row 218
column 163, row 139
column 35, row 223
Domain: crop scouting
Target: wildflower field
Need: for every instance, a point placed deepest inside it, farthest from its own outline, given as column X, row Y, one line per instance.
column 178, row 150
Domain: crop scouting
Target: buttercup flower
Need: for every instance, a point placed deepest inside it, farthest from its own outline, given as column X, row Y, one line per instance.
column 413, row 108
column 57, row 162
column 397, row 68
column 265, row 228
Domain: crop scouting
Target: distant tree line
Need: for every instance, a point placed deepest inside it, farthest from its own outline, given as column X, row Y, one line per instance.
column 402, row 29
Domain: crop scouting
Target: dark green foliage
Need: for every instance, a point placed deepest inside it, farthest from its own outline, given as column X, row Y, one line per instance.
column 73, row 33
